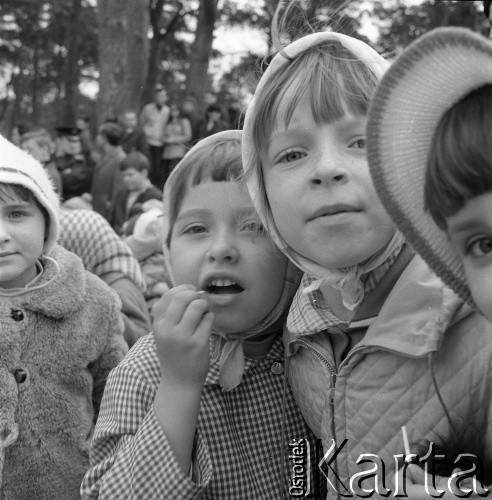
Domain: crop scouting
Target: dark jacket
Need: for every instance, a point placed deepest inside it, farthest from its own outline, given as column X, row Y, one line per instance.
column 135, row 141
column 107, row 182
column 119, row 214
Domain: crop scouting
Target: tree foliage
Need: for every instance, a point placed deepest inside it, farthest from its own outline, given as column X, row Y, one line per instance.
column 35, row 38
column 400, row 23
column 49, row 47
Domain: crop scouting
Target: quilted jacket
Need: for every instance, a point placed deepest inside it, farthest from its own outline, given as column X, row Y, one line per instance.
column 423, row 346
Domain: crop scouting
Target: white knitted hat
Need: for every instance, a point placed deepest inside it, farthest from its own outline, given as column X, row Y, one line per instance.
column 17, row 167
column 428, row 78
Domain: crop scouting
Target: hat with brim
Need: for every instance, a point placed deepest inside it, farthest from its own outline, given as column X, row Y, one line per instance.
column 427, row 79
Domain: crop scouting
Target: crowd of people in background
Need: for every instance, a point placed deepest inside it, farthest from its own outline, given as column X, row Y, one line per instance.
column 317, row 276
column 119, row 171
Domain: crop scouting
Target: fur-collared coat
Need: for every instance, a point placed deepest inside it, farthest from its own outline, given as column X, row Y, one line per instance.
column 57, row 346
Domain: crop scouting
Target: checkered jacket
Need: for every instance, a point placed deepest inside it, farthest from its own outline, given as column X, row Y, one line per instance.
column 89, row 235
column 241, row 446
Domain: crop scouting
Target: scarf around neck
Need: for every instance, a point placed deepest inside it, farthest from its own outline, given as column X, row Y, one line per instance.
column 228, row 349
column 348, row 280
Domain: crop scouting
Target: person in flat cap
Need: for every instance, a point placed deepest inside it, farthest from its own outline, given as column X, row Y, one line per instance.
column 75, row 172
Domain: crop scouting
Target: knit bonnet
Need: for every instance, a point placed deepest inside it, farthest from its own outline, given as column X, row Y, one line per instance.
column 18, row 167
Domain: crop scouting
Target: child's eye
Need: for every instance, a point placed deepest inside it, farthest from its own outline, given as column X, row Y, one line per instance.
column 358, row 143
column 254, row 226
column 479, row 247
column 194, row 229
column 17, row 214
column 291, row 156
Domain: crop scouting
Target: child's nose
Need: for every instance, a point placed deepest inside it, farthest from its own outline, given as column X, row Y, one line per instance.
column 4, row 234
column 329, row 169
column 223, row 249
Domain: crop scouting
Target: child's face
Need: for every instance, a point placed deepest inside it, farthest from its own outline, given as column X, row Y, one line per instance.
column 320, row 191
column 218, row 245
column 134, row 179
column 22, row 235
column 470, row 232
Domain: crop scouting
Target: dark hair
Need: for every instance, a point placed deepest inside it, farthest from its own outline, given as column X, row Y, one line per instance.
column 112, row 131
column 214, row 107
column 459, row 165
column 136, row 160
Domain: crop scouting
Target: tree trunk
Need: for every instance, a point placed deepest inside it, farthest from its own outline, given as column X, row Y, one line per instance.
column 123, row 54
column 161, row 37
column 71, row 73
column 198, row 81
column 35, row 85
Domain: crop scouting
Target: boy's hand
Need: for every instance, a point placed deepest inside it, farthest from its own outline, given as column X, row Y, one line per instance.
column 182, row 326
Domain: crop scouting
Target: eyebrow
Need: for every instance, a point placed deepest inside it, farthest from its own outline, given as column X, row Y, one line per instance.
column 345, row 124
column 465, row 226
column 18, row 204
column 200, row 212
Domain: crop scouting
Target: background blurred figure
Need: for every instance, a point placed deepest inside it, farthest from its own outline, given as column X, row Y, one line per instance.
column 89, row 149
column 38, row 143
column 213, row 122
column 108, row 179
column 153, row 118
column 133, row 136
column 144, row 237
column 177, row 136
column 189, row 110
column 138, row 189
column 106, row 255
column 76, row 173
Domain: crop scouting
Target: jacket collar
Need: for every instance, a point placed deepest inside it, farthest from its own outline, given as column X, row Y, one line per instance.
column 62, row 293
column 413, row 318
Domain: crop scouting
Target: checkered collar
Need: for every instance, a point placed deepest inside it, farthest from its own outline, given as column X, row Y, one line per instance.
column 309, row 312
column 274, row 356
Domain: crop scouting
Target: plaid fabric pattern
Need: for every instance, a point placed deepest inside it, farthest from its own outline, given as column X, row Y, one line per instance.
column 310, row 314
column 89, row 235
column 241, row 448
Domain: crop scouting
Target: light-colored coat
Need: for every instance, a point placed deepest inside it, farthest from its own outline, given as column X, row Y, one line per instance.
column 57, row 346
column 386, row 381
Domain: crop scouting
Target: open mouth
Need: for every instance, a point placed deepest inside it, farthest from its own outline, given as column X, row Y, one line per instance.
column 223, row 287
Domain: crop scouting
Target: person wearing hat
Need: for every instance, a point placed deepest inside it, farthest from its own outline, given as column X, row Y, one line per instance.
column 430, row 156
column 375, row 341
column 75, row 172
column 60, row 335
column 153, row 118
column 38, row 143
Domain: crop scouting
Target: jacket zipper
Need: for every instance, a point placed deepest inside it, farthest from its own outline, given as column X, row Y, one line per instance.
column 333, row 375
